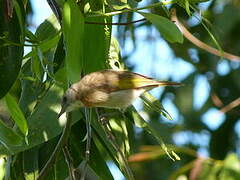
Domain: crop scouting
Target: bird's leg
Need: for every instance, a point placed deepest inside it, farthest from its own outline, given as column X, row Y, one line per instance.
column 102, row 117
column 108, row 131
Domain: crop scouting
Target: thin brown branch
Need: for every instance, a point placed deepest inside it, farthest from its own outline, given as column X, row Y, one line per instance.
column 197, row 168
column 216, row 100
column 231, row 105
column 118, row 24
column 199, row 43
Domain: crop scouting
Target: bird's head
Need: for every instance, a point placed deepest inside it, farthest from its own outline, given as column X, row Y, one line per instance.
column 69, row 101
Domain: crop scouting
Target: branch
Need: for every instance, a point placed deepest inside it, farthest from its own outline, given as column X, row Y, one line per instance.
column 216, row 100
column 199, row 43
column 119, row 24
column 231, row 105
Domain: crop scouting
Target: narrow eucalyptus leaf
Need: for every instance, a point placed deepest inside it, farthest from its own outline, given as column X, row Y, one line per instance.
column 8, row 136
column 16, row 114
column 73, row 30
column 151, row 129
column 167, row 28
column 155, row 105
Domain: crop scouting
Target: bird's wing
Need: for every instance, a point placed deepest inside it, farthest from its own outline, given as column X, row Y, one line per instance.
column 123, row 80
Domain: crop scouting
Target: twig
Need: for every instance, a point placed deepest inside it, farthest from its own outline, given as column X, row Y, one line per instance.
column 199, row 43
column 231, row 105
column 118, row 24
column 57, row 149
column 69, row 162
column 88, row 113
column 216, row 100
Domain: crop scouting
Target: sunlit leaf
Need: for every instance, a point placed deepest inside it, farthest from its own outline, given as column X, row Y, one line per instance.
column 43, row 123
column 114, row 59
column 9, row 136
column 167, row 28
column 73, row 30
column 155, row 105
column 96, row 44
column 150, row 128
column 78, row 151
column 231, row 167
column 16, row 114
column 45, row 45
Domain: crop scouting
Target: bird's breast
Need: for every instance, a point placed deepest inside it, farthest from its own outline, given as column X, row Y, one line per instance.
column 119, row 99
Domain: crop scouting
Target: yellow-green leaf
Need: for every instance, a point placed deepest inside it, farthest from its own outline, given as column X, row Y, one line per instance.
column 167, row 28
column 16, row 114
column 73, row 29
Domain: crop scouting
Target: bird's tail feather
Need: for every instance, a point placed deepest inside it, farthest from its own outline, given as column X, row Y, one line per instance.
column 159, row 84
column 168, row 83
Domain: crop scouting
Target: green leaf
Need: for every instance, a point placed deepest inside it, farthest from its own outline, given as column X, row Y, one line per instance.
column 36, row 66
column 73, row 30
column 231, row 168
column 96, row 44
column 42, row 122
column 45, row 45
column 30, row 90
column 102, row 141
column 46, row 37
column 155, row 105
column 118, row 4
column 59, row 55
column 16, row 114
column 48, row 29
column 8, row 136
column 119, row 125
column 114, row 60
column 150, row 128
column 167, row 28
column 30, row 163
column 30, row 35
column 187, row 8
column 97, row 161
column 11, row 31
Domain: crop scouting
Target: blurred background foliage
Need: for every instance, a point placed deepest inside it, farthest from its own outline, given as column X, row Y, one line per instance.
column 205, row 126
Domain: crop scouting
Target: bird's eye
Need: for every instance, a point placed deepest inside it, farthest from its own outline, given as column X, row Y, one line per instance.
column 64, row 100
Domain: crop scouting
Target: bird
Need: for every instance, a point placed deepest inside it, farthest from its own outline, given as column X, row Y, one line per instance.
column 108, row 89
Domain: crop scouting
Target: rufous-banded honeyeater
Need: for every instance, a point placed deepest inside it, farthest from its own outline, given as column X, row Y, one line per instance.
column 108, row 89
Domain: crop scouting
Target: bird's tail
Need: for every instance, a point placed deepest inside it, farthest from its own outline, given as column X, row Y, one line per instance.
column 168, row 83
column 155, row 84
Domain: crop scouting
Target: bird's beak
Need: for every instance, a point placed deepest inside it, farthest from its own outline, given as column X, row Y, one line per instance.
column 63, row 109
